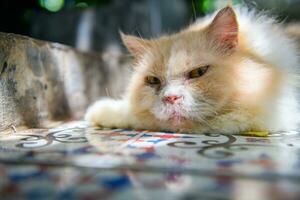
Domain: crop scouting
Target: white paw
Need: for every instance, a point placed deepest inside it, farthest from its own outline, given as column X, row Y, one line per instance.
column 108, row 113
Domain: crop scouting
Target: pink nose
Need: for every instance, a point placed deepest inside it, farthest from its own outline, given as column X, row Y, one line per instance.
column 171, row 99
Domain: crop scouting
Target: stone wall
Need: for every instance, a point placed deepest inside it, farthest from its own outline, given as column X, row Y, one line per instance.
column 41, row 81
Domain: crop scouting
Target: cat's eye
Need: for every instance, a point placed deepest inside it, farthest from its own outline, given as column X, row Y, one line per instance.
column 152, row 80
column 198, row 72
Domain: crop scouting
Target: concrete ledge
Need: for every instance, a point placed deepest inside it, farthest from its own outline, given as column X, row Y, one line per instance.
column 41, row 81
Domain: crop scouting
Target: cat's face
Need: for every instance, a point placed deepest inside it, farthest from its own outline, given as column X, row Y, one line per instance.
column 180, row 79
column 188, row 76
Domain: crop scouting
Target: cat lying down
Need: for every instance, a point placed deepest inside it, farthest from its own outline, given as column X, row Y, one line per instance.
column 231, row 72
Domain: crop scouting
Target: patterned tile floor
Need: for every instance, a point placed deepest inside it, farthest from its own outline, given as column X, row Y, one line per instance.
column 75, row 161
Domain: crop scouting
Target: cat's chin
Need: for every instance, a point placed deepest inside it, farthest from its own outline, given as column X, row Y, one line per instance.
column 177, row 119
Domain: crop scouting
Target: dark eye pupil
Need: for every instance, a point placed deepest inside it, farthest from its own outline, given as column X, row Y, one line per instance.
column 201, row 72
column 152, row 80
column 198, row 72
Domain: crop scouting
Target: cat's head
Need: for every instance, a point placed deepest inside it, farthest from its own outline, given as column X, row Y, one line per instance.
column 196, row 74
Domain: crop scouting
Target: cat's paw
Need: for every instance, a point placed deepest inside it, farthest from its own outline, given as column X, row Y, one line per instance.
column 108, row 113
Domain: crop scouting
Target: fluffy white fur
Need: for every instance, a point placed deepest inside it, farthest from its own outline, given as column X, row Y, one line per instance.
column 267, row 39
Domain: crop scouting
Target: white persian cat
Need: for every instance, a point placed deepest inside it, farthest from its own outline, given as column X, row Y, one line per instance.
column 231, row 72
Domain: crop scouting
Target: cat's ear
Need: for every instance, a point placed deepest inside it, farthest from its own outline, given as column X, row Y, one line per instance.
column 224, row 28
column 136, row 46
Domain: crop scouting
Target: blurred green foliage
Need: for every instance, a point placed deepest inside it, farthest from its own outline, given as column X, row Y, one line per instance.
column 90, row 3
column 57, row 5
column 52, row 5
column 199, row 6
column 208, row 6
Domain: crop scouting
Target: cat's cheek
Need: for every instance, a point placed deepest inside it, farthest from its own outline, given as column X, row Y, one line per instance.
column 146, row 97
column 191, row 82
column 186, row 81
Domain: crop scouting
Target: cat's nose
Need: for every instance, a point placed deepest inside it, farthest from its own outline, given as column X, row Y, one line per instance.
column 171, row 99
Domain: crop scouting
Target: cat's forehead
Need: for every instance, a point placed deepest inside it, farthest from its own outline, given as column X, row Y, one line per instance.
column 176, row 55
column 185, row 55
